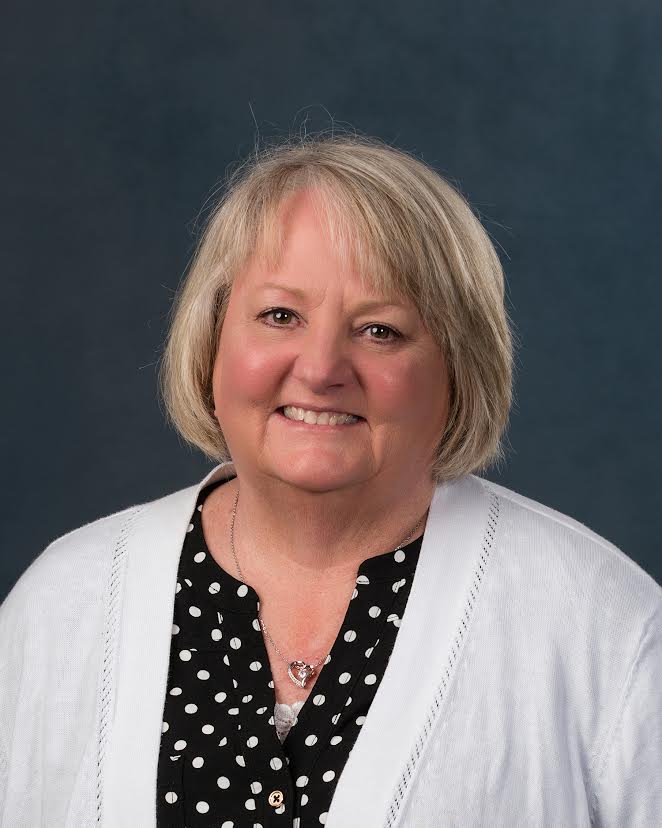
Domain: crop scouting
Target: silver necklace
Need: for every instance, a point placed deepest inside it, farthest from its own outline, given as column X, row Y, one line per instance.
column 298, row 670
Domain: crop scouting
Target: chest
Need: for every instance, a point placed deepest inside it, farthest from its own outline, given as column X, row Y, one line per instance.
column 225, row 674
column 298, row 636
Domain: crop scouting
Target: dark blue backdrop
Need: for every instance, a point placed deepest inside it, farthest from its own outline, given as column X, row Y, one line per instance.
column 120, row 117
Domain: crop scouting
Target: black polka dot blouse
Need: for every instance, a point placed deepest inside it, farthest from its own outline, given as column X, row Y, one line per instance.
column 222, row 763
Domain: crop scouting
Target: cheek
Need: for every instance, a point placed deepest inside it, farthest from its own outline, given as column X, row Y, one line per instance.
column 245, row 374
column 409, row 392
column 396, row 387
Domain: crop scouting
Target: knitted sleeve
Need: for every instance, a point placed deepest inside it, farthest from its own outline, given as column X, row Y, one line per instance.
column 3, row 777
column 628, row 778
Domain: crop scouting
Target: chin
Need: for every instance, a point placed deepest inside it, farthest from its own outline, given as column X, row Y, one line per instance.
column 314, row 475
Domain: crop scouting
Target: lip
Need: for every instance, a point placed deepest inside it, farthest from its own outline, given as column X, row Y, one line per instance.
column 319, row 427
column 318, row 409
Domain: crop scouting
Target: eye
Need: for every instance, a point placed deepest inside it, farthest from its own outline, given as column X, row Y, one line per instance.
column 378, row 332
column 376, row 326
column 281, row 315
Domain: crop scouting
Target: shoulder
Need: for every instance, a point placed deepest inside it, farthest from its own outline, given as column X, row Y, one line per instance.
column 76, row 566
column 577, row 565
column 532, row 513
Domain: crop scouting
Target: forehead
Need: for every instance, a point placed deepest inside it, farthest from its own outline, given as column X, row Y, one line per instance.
column 306, row 244
column 311, row 284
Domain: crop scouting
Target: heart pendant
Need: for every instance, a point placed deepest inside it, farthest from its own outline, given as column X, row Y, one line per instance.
column 300, row 672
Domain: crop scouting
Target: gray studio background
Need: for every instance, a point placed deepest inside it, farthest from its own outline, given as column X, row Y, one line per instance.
column 120, row 118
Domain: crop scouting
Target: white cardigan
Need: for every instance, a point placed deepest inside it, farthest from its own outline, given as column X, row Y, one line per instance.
column 524, row 688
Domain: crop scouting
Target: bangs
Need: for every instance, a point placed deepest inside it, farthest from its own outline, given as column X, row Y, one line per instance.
column 368, row 233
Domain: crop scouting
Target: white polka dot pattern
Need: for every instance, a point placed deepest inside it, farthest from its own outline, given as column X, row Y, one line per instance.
column 221, row 758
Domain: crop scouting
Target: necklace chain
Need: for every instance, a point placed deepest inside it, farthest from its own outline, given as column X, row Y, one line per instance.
column 308, row 668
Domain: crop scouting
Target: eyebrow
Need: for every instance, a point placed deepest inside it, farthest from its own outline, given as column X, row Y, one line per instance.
column 301, row 294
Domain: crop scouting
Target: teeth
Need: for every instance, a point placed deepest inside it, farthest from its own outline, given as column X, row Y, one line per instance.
column 318, row 417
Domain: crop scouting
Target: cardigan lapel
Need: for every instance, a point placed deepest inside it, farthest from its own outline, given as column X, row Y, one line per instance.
column 152, row 553
column 401, row 712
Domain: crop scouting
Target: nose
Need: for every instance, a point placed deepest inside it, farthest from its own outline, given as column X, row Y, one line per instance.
column 323, row 359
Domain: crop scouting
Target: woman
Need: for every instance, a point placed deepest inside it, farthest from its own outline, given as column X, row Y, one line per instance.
column 340, row 624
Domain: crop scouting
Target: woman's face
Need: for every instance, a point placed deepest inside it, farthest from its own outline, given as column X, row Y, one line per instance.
column 303, row 335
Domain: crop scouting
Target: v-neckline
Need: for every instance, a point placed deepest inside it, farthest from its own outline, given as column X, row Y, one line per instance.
column 145, row 564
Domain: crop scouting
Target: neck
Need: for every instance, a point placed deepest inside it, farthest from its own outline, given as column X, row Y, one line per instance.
column 303, row 535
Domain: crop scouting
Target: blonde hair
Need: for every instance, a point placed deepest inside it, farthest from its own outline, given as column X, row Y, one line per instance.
column 408, row 232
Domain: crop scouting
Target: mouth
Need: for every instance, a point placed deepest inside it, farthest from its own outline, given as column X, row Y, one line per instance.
column 322, row 426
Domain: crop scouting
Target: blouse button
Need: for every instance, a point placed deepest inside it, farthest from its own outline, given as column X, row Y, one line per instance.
column 276, row 798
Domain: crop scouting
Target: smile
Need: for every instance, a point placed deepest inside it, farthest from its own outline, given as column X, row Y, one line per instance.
column 320, row 418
